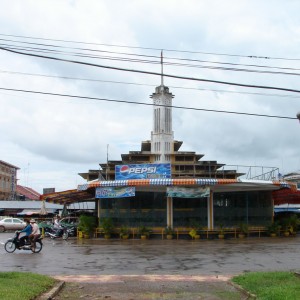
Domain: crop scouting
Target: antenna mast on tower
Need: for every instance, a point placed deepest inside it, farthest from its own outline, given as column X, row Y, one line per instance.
column 162, row 68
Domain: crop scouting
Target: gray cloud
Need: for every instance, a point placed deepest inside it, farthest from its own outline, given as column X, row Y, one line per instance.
column 60, row 137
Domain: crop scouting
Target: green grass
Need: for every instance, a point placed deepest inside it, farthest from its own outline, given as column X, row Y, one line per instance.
column 270, row 285
column 23, row 286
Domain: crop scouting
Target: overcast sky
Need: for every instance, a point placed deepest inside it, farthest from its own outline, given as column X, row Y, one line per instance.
column 53, row 138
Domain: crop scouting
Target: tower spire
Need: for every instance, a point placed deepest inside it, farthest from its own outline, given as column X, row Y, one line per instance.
column 162, row 68
column 162, row 136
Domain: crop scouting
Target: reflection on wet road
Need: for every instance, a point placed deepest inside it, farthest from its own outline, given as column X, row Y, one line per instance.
column 136, row 257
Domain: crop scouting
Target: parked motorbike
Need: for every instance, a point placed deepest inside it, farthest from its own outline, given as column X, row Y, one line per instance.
column 61, row 232
column 16, row 243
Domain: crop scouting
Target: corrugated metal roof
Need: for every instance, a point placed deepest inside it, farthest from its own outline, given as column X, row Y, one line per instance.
column 68, row 197
column 28, row 205
column 29, row 212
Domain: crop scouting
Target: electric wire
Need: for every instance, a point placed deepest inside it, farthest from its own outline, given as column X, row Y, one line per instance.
column 149, row 56
column 146, row 104
column 154, row 73
column 156, row 49
column 145, row 84
column 118, row 58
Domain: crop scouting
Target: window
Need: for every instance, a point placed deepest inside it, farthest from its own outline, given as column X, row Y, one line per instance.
column 146, row 208
column 17, row 221
column 233, row 208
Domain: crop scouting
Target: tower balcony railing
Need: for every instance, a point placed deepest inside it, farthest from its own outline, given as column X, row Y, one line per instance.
column 254, row 172
column 241, row 171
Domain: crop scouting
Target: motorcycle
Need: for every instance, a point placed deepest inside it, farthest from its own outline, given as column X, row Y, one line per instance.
column 16, row 243
column 62, row 231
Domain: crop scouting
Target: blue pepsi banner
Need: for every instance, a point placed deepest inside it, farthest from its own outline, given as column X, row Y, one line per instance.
column 142, row 171
column 115, row 192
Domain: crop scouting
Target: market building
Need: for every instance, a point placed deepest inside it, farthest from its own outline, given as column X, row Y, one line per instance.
column 161, row 186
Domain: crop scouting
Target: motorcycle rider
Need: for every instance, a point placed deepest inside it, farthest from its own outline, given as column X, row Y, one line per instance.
column 56, row 222
column 35, row 234
column 57, row 227
column 27, row 230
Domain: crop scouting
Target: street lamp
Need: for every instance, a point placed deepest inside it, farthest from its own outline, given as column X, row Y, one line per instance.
column 298, row 116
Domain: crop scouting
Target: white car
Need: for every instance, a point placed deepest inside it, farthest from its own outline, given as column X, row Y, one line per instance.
column 11, row 224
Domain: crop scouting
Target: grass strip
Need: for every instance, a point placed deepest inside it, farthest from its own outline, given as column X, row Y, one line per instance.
column 23, row 286
column 270, row 285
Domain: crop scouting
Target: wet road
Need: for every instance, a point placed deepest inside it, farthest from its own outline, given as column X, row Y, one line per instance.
column 174, row 257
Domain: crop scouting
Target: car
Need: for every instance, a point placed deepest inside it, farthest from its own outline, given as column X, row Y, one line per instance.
column 11, row 224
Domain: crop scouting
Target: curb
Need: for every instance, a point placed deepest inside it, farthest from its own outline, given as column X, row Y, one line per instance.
column 297, row 274
column 53, row 292
column 238, row 287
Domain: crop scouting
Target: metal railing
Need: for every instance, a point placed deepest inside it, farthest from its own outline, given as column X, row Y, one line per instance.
column 254, row 172
column 246, row 172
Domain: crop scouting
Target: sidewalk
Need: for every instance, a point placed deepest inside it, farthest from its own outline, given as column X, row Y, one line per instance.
column 145, row 287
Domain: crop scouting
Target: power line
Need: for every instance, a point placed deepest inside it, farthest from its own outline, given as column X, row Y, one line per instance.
column 152, row 85
column 149, row 56
column 154, row 73
column 156, row 49
column 147, row 104
column 118, row 58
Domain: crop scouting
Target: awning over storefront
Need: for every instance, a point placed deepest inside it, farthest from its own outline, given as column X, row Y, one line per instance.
column 86, row 192
column 289, row 196
column 184, row 181
column 68, row 197
column 287, row 209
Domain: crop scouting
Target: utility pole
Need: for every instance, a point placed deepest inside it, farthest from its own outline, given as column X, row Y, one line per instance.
column 107, row 162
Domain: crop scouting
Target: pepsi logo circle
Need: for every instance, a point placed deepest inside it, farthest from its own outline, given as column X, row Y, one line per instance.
column 124, row 169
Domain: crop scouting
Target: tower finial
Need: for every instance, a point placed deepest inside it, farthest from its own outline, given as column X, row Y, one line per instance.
column 162, row 67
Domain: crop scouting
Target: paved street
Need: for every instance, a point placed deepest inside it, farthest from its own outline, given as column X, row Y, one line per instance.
column 155, row 257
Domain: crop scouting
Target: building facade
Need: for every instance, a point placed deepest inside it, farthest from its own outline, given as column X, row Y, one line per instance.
column 8, row 181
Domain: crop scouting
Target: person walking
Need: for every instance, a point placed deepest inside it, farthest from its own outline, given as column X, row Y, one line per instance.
column 35, row 233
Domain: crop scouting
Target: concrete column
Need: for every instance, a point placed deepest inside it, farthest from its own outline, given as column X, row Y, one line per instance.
column 210, row 211
column 98, row 209
column 170, row 211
